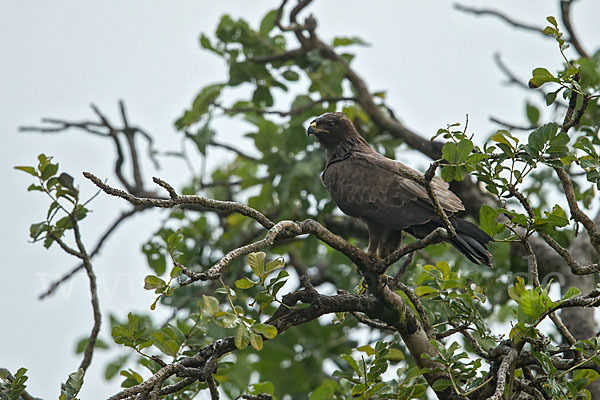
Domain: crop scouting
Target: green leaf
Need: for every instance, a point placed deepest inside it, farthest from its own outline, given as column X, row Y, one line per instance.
column 572, row 292
column 268, row 23
column 463, row 149
column 444, row 268
column 73, row 385
column 242, row 337
column 550, row 97
column 395, row 356
column 425, row 290
column 366, row 349
column 441, row 384
column 256, row 341
column 274, row 264
column 175, row 272
column 82, row 344
column 153, row 282
column 35, row 230
column 487, row 220
column 533, row 114
column 448, row 173
column 245, row 283
column 291, row 75
column 262, row 97
column 346, row 41
column 145, row 344
column 29, row 170
column 326, row 390
column 557, row 217
column 200, row 106
column 155, row 256
column 530, row 307
column 49, row 171
column 352, row 362
column 541, row 76
column 268, row 331
column 203, row 137
column 211, row 305
column 257, row 262
column 450, row 152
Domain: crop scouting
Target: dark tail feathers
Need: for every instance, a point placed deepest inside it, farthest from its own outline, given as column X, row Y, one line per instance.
column 469, row 240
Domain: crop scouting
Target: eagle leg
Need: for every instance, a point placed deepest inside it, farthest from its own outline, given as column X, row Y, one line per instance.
column 382, row 241
column 392, row 240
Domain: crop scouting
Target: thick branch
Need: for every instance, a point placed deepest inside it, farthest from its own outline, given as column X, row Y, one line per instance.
column 318, row 305
column 507, row 361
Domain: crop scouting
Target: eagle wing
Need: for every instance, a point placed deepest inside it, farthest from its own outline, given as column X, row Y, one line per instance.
column 369, row 185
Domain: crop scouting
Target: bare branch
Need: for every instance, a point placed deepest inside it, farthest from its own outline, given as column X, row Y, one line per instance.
column 372, row 323
column 87, row 126
column 54, row 285
column 439, row 210
column 107, row 129
column 419, row 307
column 576, row 212
column 279, row 57
column 472, row 341
column 513, row 126
column 233, row 149
column 293, row 111
column 437, row 236
column 564, row 253
column 89, row 348
column 512, row 78
column 498, row 14
column 507, row 361
column 565, row 11
column 215, row 271
column 183, row 200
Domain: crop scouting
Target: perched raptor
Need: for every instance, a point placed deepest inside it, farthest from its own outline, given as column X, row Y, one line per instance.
column 366, row 185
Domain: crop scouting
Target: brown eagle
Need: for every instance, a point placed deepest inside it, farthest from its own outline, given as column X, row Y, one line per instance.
column 367, row 185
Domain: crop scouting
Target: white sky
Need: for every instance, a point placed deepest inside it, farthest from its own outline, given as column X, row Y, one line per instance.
column 59, row 56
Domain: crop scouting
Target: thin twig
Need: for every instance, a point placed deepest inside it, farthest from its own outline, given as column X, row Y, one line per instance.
column 89, row 348
column 419, row 307
column 107, row 233
column 500, row 15
column 565, row 11
column 182, row 200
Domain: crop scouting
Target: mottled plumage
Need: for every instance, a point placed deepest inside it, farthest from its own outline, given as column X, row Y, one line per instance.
column 366, row 185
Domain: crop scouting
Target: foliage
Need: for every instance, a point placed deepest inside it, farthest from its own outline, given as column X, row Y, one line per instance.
column 319, row 359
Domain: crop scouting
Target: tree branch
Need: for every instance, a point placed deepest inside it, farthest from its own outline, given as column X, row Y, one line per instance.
column 84, row 256
column 108, row 232
column 500, row 15
column 182, row 200
column 565, row 11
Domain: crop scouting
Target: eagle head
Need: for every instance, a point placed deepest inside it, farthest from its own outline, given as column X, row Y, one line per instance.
column 333, row 129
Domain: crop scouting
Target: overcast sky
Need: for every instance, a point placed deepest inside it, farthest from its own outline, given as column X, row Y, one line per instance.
column 59, row 56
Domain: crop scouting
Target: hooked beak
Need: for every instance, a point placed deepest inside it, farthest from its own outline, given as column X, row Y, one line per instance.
column 312, row 129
